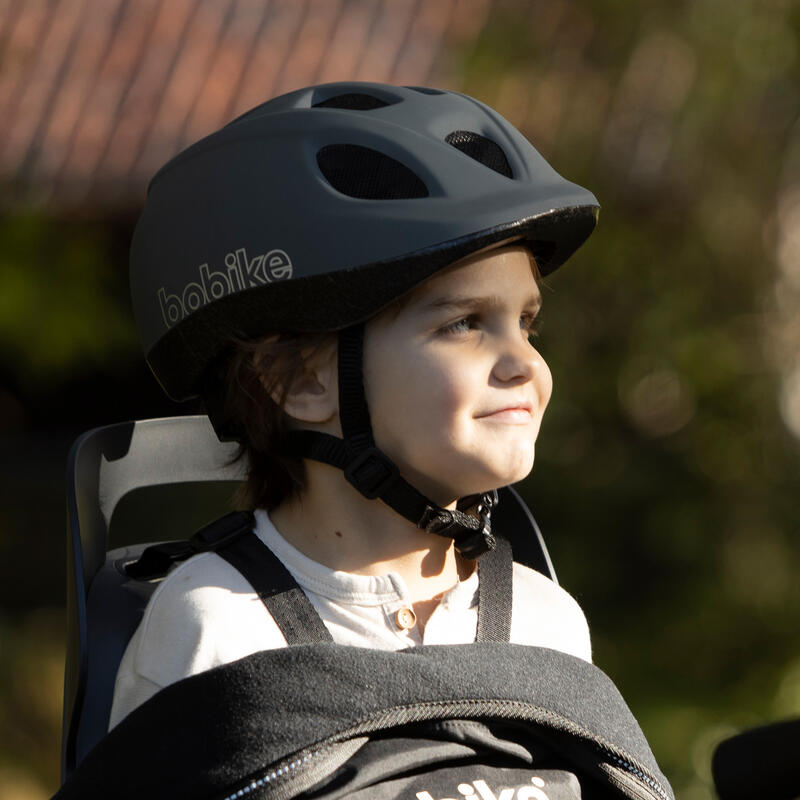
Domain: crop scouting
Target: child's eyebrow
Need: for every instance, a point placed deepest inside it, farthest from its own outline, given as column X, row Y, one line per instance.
column 447, row 303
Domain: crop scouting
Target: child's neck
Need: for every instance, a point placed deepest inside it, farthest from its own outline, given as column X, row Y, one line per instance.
column 334, row 525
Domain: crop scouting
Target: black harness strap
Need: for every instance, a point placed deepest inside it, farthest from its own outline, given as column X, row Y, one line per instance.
column 353, row 409
column 495, row 588
column 285, row 600
column 156, row 560
column 233, row 539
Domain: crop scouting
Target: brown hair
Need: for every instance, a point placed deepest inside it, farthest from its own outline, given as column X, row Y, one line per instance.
column 255, row 370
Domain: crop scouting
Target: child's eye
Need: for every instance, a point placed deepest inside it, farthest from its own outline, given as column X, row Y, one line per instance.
column 530, row 323
column 463, row 325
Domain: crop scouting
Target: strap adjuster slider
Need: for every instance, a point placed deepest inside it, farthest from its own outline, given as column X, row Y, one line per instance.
column 371, row 472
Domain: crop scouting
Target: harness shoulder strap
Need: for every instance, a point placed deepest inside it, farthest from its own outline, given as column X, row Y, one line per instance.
column 288, row 604
column 232, row 538
column 495, row 587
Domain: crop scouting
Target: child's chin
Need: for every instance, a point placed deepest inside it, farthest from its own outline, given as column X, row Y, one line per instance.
column 475, row 477
column 512, row 473
column 498, row 479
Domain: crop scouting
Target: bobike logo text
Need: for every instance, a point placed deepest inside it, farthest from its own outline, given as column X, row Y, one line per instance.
column 241, row 272
column 479, row 790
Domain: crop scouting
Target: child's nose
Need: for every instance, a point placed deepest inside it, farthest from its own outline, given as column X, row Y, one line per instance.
column 518, row 360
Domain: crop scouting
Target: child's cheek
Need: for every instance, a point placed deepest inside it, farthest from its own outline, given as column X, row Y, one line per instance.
column 449, row 396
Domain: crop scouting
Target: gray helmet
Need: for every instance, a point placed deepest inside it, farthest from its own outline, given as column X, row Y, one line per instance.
column 315, row 210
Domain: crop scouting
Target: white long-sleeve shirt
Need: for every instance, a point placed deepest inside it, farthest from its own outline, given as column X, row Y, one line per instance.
column 205, row 613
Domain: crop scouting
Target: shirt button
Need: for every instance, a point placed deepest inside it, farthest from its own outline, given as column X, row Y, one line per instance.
column 405, row 618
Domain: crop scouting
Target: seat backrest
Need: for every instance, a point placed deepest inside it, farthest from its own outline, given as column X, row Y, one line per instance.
column 104, row 606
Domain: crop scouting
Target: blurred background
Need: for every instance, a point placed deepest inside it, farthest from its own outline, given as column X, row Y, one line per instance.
column 668, row 471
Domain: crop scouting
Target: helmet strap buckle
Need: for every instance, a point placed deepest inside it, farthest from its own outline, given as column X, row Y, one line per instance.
column 471, row 535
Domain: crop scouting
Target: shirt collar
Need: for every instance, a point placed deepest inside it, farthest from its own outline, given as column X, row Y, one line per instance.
column 347, row 587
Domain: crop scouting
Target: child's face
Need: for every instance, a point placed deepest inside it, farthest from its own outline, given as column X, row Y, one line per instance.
column 455, row 389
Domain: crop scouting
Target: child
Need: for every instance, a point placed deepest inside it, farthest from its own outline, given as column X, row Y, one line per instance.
column 348, row 276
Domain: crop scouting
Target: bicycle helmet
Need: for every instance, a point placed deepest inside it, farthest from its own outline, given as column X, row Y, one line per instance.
column 317, row 209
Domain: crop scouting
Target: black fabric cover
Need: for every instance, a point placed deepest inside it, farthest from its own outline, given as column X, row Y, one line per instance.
column 208, row 734
column 457, row 759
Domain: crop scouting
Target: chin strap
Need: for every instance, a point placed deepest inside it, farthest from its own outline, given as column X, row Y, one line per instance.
column 375, row 475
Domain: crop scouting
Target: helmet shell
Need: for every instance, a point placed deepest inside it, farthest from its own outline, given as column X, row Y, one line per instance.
column 248, row 231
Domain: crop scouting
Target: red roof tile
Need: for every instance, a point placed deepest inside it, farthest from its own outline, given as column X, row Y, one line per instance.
column 97, row 94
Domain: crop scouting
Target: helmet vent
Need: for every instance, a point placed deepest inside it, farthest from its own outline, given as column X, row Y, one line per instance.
column 367, row 174
column 352, row 101
column 489, row 153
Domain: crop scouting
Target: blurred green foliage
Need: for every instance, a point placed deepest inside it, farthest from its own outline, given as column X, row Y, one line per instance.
column 666, row 479
column 63, row 302
column 31, row 676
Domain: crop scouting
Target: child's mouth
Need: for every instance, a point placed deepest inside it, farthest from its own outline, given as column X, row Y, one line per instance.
column 515, row 415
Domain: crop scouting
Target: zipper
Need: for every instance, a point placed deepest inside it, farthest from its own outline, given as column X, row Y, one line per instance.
column 623, row 763
column 269, row 779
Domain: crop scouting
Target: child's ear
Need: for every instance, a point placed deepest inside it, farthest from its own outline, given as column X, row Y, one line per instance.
column 313, row 395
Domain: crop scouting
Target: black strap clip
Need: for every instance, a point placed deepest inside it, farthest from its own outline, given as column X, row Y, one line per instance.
column 475, row 543
column 472, row 536
column 223, row 531
column 156, row 560
column 371, row 472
